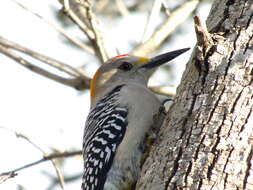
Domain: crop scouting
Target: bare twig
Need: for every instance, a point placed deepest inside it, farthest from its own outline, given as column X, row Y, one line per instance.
column 98, row 40
column 62, row 154
column 59, row 29
column 78, row 83
column 204, row 39
column 49, row 61
column 164, row 90
column 122, row 7
column 21, row 135
column 204, row 43
column 57, row 169
column 6, row 177
column 100, row 5
column 77, row 14
column 66, row 5
column 81, row 13
column 175, row 19
column 48, row 157
column 152, row 20
column 165, row 5
column 55, row 181
column 58, row 173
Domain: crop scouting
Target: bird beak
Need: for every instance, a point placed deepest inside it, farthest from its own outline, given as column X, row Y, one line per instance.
column 162, row 59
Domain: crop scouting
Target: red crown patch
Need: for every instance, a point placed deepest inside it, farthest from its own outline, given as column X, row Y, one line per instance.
column 120, row 56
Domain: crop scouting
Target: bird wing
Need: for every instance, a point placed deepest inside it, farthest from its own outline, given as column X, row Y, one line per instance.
column 104, row 131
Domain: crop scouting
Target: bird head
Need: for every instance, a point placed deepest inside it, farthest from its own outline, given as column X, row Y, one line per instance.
column 125, row 69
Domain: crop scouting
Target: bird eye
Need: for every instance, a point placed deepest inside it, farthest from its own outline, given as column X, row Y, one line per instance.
column 125, row 66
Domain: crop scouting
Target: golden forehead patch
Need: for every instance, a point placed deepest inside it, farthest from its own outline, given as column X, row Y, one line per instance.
column 143, row 60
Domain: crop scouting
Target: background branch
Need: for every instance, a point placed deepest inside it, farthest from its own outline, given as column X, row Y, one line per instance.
column 46, row 157
column 152, row 19
column 13, row 172
column 174, row 20
column 79, row 81
column 164, row 90
column 81, row 13
column 6, row 177
column 49, row 61
column 59, row 29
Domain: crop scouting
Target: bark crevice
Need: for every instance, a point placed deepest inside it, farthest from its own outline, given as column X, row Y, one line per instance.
column 206, row 141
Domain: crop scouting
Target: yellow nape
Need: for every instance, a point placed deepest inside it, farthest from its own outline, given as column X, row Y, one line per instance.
column 93, row 85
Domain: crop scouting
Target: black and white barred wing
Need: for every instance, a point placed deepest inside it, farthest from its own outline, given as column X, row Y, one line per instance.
column 105, row 129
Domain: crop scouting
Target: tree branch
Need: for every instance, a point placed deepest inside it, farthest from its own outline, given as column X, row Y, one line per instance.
column 77, row 15
column 122, row 8
column 45, row 158
column 164, row 90
column 176, row 18
column 6, row 177
column 152, row 19
column 13, row 172
column 79, row 81
column 81, row 13
column 49, row 61
column 59, row 29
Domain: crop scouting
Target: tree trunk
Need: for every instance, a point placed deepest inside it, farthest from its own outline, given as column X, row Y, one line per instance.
column 207, row 137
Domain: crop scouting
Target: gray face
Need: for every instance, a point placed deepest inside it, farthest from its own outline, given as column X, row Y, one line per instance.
column 117, row 71
column 126, row 68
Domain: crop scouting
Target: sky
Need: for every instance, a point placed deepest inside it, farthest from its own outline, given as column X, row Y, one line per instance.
column 50, row 114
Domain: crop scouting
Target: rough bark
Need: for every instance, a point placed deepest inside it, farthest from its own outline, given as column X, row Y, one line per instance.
column 206, row 140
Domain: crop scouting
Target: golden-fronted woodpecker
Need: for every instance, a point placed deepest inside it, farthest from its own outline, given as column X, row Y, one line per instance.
column 121, row 114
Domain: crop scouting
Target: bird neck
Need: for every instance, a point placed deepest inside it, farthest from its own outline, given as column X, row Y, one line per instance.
column 105, row 91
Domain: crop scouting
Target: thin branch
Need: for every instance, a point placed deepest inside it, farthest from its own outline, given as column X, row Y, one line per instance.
column 48, row 60
column 101, row 5
column 152, row 19
column 204, row 40
column 165, row 6
column 122, row 8
column 68, row 179
column 66, row 5
column 59, row 174
column 77, row 83
column 20, row 135
column 59, row 29
column 81, row 13
column 57, row 169
column 72, row 9
column 164, row 90
column 176, row 18
column 98, row 41
column 45, row 158
column 6, row 177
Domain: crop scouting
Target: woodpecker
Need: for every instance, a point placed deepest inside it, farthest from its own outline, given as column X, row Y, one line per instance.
column 121, row 114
